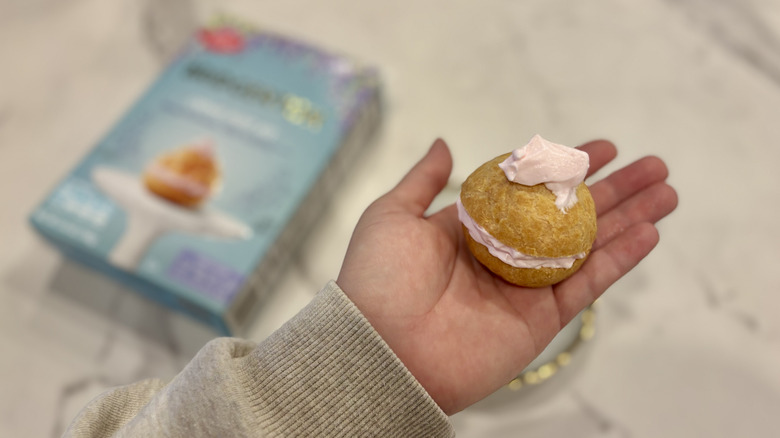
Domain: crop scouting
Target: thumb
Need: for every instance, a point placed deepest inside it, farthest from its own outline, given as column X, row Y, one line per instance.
column 415, row 192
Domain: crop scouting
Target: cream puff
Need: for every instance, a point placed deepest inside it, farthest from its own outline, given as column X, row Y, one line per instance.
column 528, row 216
column 186, row 176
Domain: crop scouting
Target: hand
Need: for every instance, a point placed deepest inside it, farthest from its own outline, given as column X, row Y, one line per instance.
column 459, row 329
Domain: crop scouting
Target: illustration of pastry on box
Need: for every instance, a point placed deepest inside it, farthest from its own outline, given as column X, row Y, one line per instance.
column 169, row 196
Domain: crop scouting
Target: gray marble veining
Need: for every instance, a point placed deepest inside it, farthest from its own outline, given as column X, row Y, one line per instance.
column 741, row 27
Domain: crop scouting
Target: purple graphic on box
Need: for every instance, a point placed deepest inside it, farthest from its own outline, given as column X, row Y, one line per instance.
column 205, row 275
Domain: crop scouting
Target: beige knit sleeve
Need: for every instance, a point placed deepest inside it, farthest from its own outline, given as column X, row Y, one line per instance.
column 326, row 372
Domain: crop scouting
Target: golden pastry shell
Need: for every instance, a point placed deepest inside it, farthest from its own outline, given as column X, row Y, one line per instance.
column 527, row 219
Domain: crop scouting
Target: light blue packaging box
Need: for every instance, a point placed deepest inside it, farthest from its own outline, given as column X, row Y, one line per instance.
column 284, row 119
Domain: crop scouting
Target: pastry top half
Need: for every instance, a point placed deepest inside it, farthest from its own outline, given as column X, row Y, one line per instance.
column 527, row 218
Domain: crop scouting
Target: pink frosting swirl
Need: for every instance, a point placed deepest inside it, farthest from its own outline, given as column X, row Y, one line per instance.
column 560, row 168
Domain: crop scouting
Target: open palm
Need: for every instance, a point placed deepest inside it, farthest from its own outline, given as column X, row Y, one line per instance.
column 459, row 329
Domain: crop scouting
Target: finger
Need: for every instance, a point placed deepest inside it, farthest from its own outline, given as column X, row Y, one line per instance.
column 600, row 152
column 603, row 268
column 649, row 205
column 623, row 183
column 415, row 192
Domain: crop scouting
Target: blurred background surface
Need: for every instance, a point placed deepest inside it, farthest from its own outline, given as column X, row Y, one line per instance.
column 687, row 345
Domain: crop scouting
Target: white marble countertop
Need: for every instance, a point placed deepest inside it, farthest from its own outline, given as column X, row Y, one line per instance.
column 687, row 345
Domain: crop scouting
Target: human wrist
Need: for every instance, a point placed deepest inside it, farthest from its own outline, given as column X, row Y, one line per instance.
column 329, row 371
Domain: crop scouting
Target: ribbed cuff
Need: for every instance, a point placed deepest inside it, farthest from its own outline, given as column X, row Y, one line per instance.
column 327, row 372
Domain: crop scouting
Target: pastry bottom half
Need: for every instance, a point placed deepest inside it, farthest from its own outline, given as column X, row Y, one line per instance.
column 172, row 194
column 526, row 277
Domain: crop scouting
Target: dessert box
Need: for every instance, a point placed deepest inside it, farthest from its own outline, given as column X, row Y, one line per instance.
column 276, row 120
